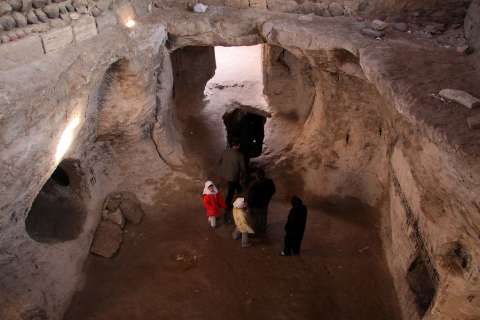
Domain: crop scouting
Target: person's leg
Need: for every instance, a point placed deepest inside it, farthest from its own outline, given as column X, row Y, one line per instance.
column 262, row 214
column 287, row 247
column 254, row 219
column 296, row 246
column 235, row 234
column 213, row 221
column 231, row 187
column 245, row 242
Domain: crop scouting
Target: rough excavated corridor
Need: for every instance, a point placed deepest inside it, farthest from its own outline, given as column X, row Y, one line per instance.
column 193, row 272
column 113, row 114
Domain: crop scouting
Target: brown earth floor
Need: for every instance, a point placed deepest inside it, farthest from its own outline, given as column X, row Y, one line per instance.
column 174, row 266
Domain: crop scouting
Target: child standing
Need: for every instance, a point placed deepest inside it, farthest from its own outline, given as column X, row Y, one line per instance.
column 213, row 202
column 242, row 224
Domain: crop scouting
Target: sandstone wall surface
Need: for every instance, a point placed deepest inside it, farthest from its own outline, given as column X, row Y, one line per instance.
column 50, row 112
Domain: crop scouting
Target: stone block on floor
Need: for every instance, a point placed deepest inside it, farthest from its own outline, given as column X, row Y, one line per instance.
column 107, row 240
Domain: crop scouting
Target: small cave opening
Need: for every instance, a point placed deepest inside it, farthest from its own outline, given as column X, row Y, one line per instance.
column 421, row 281
column 57, row 213
column 246, row 127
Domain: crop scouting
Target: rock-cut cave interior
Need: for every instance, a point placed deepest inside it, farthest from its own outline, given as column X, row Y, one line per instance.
column 115, row 113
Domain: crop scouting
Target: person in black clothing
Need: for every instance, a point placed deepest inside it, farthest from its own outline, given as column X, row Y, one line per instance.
column 295, row 227
column 258, row 197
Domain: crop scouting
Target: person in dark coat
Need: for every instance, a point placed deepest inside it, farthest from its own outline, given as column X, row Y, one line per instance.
column 295, row 227
column 259, row 195
column 233, row 173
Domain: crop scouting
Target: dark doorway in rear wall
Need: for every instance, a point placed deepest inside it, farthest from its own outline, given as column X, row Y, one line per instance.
column 57, row 213
column 245, row 125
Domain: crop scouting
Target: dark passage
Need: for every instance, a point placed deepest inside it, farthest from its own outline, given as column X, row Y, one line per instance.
column 247, row 128
column 57, row 214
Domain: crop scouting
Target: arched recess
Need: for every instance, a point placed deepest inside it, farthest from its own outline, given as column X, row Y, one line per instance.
column 125, row 103
column 58, row 212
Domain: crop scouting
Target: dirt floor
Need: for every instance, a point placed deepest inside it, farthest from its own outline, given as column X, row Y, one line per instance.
column 174, row 266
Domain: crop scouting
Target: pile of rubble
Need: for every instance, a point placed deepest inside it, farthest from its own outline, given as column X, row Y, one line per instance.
column 19, row 18
column 118, row 208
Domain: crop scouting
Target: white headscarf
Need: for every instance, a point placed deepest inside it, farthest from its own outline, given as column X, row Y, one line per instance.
column 239, row 203
column 207, row 191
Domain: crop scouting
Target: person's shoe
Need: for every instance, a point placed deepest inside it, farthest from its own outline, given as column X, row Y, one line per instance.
column 248, row 245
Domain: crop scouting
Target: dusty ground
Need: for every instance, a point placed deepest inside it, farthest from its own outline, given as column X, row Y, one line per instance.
column 173, row 266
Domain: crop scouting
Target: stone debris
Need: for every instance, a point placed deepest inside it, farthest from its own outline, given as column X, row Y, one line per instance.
column 115, row 217
column 52, row 10
column 336, row 9
column 131, row 208
column 39, row 3
column 26, row 5
column 5, row 8
column 127, row 203
column 41, row 15
column 474, row 121
column 23, row 13
column 107, row 240
column 372, row 33
column 20, row 19
column 460, row 97
column 379, row 25
column 15, row 4
column 200, row 8
column 435, row 28
column 32, row 17
column 400, row 26
column 7, row 22
column 118, row 208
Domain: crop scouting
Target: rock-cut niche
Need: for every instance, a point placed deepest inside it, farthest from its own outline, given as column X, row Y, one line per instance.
column 58, row 212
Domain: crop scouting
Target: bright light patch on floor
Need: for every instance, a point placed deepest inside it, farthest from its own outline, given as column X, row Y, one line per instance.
column 67, row 138
column 238, row 64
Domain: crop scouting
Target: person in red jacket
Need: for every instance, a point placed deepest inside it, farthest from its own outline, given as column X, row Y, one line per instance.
column 213, row 202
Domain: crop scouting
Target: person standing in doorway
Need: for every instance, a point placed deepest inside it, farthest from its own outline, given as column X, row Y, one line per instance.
column 233, row 173
column 295, row 228
column 259, row 195
column 213, row 202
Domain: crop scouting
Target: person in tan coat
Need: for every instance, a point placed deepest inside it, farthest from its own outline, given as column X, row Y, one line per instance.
column 242, row 223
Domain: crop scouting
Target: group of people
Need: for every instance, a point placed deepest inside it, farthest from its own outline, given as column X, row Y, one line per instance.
column 246, row 203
